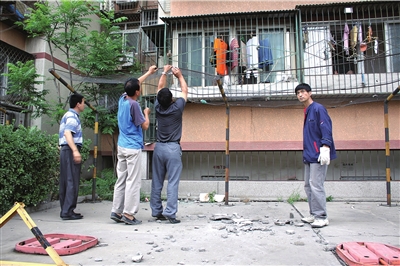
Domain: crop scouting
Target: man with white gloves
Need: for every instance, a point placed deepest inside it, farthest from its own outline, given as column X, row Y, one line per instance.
column 318, row 151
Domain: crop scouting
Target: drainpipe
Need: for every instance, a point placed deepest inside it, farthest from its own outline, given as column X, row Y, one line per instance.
column 96, row 127
column 221, row 89
column 386, row 110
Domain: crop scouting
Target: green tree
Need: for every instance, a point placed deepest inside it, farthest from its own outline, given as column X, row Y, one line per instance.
column 23, row 87
column 64, row 25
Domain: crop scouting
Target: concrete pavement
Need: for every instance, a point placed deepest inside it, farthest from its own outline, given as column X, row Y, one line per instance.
column 258, row 233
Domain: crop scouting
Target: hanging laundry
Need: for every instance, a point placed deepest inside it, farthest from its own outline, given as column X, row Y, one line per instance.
column 369, row 35
column 243, row 54
column 220, row 49
column 360, row 38
column 346, row 39
column 234, row 51
column 376, row 46
column 265, row 54
column 353, row 37
column 252, row 46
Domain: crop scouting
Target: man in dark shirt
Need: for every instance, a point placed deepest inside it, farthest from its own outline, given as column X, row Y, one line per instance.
column 167, row 155
column 318, row 151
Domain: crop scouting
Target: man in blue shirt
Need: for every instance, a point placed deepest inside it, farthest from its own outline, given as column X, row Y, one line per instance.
column 70, row 141
column 318, row 150
column 131, row 122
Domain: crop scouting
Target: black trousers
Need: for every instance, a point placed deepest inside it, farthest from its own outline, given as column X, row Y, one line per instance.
column 70, row 174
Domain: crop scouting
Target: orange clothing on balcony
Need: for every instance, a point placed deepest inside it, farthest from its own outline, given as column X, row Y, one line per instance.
column 220, row 49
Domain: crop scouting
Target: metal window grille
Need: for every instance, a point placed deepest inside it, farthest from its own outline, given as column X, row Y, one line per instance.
column 288, row 47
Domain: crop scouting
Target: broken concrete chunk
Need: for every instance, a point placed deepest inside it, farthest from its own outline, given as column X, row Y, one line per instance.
column 138, row 257
column 216, row 217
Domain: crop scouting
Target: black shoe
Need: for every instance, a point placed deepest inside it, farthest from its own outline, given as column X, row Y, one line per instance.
column 77, row 213
column 72, row 217
column 134, row 221
column 173, row 220
column 160, row 217
column 116, row 217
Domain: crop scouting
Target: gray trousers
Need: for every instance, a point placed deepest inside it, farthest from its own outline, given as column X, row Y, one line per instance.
column 314, row 178
column 70, row 174
column 167, row 158
column 127, row 188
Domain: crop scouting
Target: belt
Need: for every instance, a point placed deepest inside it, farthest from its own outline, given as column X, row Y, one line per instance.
column 77, row 145
column 173, row 141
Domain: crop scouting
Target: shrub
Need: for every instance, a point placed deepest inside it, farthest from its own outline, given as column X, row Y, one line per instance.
column 29, row 166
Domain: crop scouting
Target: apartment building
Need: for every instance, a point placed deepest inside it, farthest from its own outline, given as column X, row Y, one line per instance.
column 347, row 51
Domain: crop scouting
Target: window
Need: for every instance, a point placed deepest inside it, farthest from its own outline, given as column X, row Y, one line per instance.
column 392, row 46
column 194, row 50
column 317, row 53
column 130, row 40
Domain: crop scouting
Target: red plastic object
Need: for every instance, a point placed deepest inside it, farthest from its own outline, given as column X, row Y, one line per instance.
column 63, row 244
column 368, row 253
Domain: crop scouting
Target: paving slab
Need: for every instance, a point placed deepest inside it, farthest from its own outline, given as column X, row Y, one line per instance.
column 255, row 233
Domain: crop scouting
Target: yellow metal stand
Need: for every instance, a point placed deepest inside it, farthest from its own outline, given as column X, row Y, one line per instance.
column 19, row 207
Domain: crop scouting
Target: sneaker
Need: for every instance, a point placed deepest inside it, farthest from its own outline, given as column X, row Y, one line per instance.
column 116, row 217
column 134, row 221
column 309, row 219
column 318, row 223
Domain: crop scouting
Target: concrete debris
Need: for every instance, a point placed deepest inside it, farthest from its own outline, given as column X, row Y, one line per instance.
column 290, row 232
column 219, row 198
column 159, row 250
column 202, row 250
column 98, row 259
column 150, row 242
column 299, row 243
column 298, row 224
column 201, row 216
column 219, row 227
column 227, row 221
column 280, row 222
column 181, row 263
column 242, row 221
column 204, row 197
column 138, row 257
column 102, row 245
column 186, row 248
column 224, row 236
column 216, row 217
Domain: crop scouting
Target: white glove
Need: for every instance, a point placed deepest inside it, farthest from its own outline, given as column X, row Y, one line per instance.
column 324, row 155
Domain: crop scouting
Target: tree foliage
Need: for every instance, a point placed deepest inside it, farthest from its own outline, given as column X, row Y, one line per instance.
column 23, row 86
column 65, row 26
